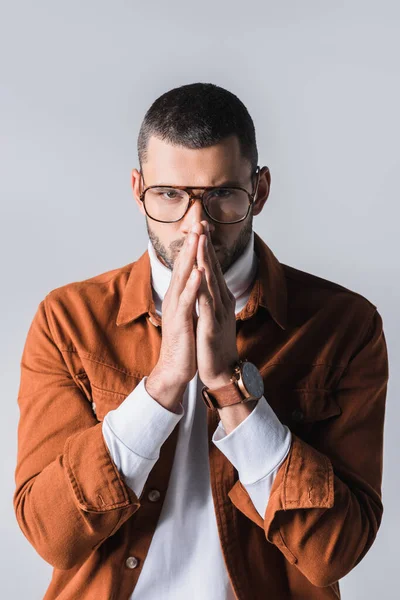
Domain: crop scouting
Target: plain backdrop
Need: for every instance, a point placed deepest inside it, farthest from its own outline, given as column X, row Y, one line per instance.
column 321, row 82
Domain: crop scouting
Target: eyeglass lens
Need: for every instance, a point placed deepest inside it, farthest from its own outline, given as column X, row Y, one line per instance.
column 223, row 204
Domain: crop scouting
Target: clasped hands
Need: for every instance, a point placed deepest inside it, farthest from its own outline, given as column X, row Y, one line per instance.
column 216, row 348
column 206, row 343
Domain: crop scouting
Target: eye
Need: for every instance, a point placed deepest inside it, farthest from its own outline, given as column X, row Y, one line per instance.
column 166, row 193
column 221, row 192
column 170, row 194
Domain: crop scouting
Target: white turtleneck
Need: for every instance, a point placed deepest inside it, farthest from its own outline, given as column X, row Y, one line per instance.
column 134, row 433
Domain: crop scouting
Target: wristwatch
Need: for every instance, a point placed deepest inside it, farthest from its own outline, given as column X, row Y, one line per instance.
column 246, row 384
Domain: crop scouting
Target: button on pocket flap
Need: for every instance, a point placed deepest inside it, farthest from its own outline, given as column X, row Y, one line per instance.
column 105, row 400
column 105, row 385
column 105, row 388
column 83, row 382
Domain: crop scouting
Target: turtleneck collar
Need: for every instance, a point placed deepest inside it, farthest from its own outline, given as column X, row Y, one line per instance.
column 239, row 277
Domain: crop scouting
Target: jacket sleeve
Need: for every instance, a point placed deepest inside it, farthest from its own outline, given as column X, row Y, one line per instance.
column 325, row 506
column 69, row 495
column 134, row 433
column 256, row 448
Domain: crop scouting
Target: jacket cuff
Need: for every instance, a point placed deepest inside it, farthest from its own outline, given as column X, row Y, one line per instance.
column 304, row 480
column 105, row 489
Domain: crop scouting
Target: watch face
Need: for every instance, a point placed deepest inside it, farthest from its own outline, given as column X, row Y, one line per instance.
column 252, row 379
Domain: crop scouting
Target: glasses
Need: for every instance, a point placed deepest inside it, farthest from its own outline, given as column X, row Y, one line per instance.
column 169, row 204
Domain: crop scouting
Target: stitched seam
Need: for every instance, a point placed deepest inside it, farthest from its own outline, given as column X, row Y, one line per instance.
column 91, row 357
column 99, row 389
column 286, row 547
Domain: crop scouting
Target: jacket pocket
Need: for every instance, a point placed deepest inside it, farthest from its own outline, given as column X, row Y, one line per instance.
column 305, row 409
column 105, row 400
column 105, row 386
column 314, row 405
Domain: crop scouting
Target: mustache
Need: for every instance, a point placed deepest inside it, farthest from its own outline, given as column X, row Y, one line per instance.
column 178, row 245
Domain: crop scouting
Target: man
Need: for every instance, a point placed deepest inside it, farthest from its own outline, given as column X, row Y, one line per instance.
column 204, row 422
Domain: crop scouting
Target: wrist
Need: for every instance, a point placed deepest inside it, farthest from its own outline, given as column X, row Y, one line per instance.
column 219, row 381
column 168, row 394
column 222, row 378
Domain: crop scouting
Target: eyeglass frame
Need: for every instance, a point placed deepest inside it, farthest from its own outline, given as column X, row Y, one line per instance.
column 192, row 197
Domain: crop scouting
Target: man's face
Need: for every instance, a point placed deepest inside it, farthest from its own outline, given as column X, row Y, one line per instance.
column 217, row 165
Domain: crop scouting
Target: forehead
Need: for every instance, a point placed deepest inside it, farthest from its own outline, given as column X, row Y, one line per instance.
column 178, row 165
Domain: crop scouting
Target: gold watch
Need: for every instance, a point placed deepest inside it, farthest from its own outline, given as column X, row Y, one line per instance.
column 246, row 384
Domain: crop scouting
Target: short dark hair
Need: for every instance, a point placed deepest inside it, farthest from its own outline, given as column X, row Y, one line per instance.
column 198, row 115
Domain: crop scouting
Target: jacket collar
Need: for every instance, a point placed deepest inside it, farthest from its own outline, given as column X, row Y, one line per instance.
column 269, row 290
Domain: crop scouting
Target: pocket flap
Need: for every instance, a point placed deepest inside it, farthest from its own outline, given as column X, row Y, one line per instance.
column 309, row 406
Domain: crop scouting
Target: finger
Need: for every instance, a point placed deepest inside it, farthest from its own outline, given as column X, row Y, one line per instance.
column 206, row 300
column 226, row 295
column 186, row 260
column 203, row 261
column 187, row 298
column 184, row 264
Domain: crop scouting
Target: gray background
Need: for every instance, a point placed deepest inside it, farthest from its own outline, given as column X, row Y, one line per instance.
column 321, row 81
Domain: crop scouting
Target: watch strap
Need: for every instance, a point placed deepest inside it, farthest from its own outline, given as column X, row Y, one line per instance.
column 225, row 395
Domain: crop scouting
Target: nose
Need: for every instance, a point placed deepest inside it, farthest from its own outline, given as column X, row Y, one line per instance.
column 195, row 214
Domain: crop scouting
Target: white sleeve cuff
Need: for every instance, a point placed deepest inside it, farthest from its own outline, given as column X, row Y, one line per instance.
column 142, row 423
column 134, row 433
column 260, row 490
column 257, row 445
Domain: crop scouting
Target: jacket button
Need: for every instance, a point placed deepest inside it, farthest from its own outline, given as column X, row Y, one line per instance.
column 297, row 415
column 153, row 495
column 131, row 562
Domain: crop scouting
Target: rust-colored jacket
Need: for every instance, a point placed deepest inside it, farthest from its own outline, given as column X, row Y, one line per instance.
column 322, row 352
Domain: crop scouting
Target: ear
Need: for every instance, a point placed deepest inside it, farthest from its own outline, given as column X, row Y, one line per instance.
column 263, row 190
column 136, row 182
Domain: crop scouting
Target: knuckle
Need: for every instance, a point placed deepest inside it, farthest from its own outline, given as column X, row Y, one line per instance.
column 184, row 299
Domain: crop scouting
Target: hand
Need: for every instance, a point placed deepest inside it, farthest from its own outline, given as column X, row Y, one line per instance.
column 216, row 348
column 177, row 364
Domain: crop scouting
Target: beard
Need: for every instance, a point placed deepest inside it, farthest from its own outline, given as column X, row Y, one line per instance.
column 225, row 255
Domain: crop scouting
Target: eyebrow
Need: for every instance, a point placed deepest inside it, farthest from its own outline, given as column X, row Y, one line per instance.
column 230, row 182
column 223, row 184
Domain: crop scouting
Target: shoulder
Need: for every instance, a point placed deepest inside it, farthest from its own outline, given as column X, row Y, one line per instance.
column 92, row 287
column 78, row 303
column 311, row 293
